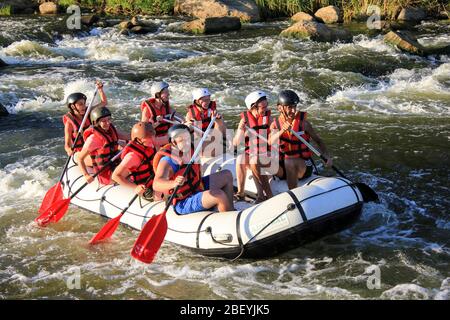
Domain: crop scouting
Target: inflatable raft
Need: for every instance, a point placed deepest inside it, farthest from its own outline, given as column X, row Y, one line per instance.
column 318, row 207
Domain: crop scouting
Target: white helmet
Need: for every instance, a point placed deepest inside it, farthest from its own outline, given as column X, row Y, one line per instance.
column 199, row 93
column 157, row 87
column 253, row 97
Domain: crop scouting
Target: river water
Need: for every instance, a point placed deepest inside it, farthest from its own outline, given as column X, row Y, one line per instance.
column 383, row 114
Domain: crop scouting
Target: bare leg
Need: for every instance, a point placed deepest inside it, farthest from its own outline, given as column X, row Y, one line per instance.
column 222, row 180
column 261, row 182
column 295, row 169
column 212, row 198
column 241, row 172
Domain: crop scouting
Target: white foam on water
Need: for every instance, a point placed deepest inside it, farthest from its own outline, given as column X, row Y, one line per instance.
column 405, row 92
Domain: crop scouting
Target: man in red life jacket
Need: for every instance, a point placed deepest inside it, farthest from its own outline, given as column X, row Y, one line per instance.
column 195, row 193
column 155, row 109
column 101, row 144
column 199, row 114
column 136, row 167
column 257, row 117
column 293, row 153
column 76, row 102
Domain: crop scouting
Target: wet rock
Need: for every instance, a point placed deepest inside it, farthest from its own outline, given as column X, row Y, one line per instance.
column 302, row 16
column 443, row 15
column 405, row 42
column 2, row 63
column 330, row 14
column 90, row 20
column 316, row 31
column 48, row 8
column 143, row 29
column 412, row 14
column 245, row 10
column 125, row 25
column 3, row 111
column 212, row 25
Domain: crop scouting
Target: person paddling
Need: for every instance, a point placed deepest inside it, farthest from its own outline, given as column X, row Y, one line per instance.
column 137, row 158
column 199, row 114
column 156, row 108
column 76, row 102
column 101, row 144
column 257, row 118
column 295, row 155
column 195, row 193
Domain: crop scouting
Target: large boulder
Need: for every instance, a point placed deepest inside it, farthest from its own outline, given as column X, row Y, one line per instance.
column 302, row 16
column 137, row 26
column 3, row 111
column 316, row 31
column 412, row 14
column 245, row 10
column 330, row 14
column 48, row 8
column 405, row 42
column 212, row 25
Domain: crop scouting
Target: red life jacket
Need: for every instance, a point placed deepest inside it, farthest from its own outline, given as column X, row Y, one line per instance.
column 261, row 125
column 144, row 171
column 290, row 145
column 101, row 156
column 149, row 104
column 193, row 182
column 200, row 114
column 69, row 117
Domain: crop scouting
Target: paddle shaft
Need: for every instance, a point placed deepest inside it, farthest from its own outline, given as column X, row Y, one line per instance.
column 86, row 114
column 99, row 171
column 194, row 127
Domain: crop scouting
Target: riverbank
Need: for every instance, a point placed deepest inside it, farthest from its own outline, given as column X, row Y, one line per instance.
column 352, row 10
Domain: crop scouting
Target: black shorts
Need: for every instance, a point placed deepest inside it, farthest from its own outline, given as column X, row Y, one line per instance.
column 307, row 174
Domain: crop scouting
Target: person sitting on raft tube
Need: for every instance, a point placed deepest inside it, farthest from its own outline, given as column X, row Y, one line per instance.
column 258, row 118
column 101, row 144
column 155, row 109
column 199, row 114
column 195, row 193
column 76, row 102
column 137, row 158
column 295, row 156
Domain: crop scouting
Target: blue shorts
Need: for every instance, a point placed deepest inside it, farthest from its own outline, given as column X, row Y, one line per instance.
column 193, row 203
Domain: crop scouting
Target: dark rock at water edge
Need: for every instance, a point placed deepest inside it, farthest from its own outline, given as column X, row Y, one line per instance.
column 406, row 42
column 212, row 25
column 3, row 111
column 2, row 63
column 21, row 6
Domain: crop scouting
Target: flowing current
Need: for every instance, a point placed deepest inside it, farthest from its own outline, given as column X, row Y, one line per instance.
column 384, row 114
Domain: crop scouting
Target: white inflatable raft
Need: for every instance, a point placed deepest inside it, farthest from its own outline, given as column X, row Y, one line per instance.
column 318, row 207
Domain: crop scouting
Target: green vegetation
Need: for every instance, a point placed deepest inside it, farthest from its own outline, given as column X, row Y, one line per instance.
column 351, row 8
column 153, row 7
column 5, row 10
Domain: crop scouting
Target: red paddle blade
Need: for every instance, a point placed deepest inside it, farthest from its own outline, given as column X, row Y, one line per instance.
column 54, row 213
column 107, row 230
column 54, row 194
column 150, row 239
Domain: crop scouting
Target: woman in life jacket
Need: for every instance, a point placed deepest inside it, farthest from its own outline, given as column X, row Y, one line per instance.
column 196, row 193
column 257, row 151
column 295, row 156
column 101, row 145
column 199, row 114
column 156, row 108
column 76, row 102
column 136, row 167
